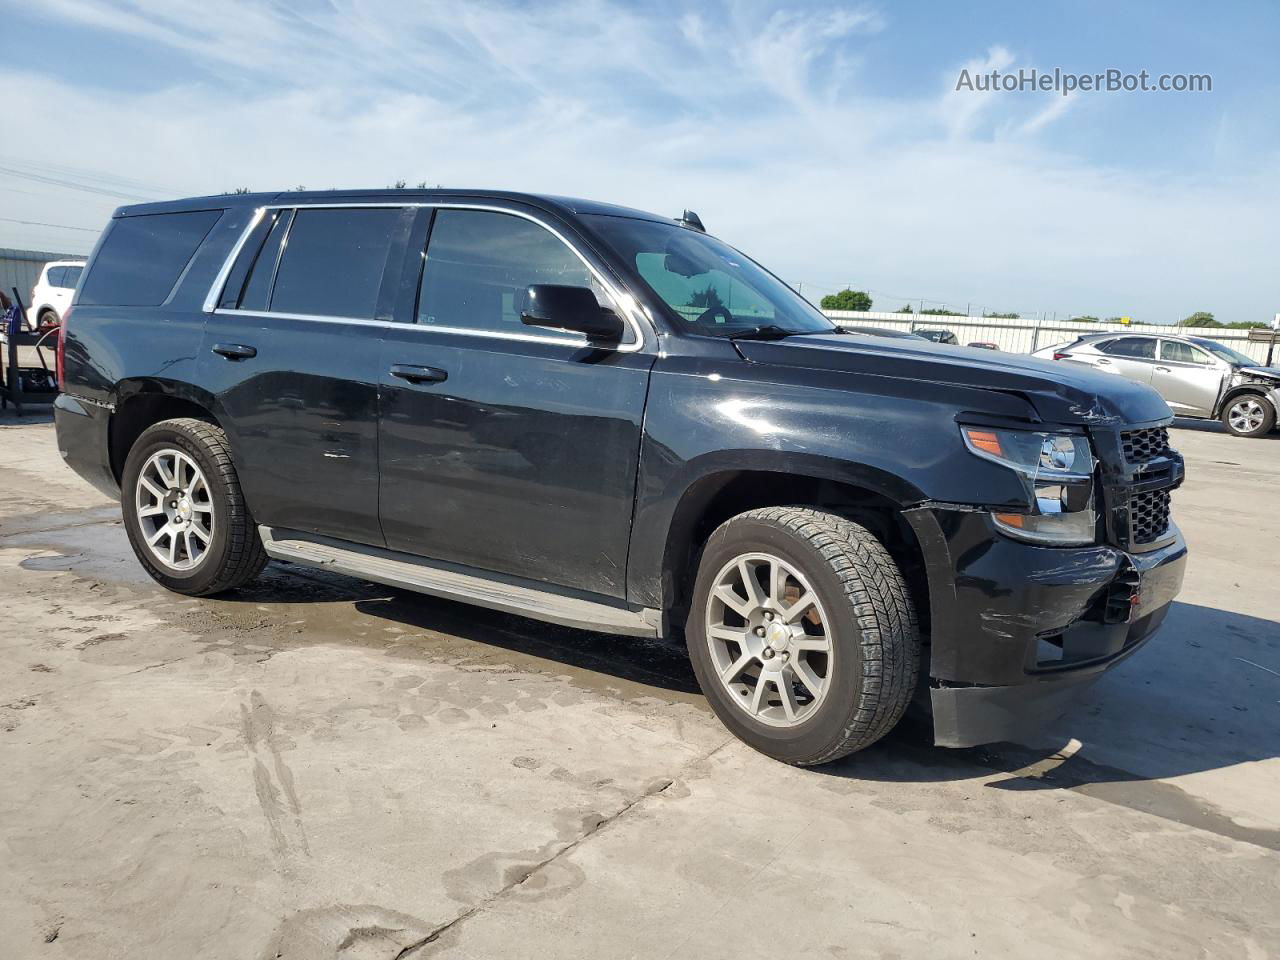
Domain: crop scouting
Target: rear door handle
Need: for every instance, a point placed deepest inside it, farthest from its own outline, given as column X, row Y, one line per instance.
column 1162, row 369
column 235, row 351
column 414, row 374
column 1104, row 360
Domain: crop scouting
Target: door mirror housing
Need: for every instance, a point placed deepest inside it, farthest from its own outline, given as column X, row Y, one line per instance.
column 570, row 308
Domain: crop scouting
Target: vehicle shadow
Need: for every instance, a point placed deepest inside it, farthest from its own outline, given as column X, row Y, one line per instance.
column 1216, row 426
column 1203, row 694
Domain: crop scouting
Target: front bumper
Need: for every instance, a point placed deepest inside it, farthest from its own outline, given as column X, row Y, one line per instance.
column 1017, row 631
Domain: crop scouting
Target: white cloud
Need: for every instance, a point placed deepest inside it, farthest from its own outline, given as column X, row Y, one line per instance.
column 742, row 117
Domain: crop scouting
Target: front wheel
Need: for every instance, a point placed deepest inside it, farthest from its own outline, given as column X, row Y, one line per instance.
column 802, row 633
column 1249, row 415
column 184, row 511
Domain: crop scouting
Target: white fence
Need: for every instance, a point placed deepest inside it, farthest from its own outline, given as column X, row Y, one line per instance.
column 1027, row 335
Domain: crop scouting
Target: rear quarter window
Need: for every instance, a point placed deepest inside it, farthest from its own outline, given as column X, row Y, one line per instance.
column 142, row 258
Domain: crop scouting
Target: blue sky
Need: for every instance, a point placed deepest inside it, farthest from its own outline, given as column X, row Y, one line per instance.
column 825, row 139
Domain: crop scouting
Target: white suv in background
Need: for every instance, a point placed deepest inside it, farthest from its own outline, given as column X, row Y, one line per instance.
column 52, row 293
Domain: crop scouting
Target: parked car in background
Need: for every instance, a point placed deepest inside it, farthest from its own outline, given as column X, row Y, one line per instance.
column 984, row 345
column 608, row 419
column 52, row 293
column 939, row 336
column 885, row 332
column 1197, row 377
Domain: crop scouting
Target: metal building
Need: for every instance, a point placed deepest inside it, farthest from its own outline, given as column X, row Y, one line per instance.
column 21, row 269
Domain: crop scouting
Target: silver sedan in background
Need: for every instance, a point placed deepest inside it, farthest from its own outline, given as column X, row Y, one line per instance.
column 1196, row 376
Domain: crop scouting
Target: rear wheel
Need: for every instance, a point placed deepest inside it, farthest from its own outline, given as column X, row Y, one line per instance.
column 47, row 319
column 802, row 633
column 184, row 511
column 1249, row 415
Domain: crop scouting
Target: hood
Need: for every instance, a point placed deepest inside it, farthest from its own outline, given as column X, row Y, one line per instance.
column 1060, row 391
column 1264, row 373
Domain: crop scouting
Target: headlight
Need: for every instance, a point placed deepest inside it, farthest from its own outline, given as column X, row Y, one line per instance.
column 1057, row 469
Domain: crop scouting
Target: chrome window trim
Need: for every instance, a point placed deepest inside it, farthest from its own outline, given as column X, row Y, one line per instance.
column 220, row 281
column 627, row 305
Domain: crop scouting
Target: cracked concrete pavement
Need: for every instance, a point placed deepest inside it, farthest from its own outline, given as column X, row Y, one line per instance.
column 317, row 767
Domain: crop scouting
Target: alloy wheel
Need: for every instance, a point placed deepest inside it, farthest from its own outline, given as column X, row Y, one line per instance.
column 175, row 509
column 1246, row 415
column 768, row 638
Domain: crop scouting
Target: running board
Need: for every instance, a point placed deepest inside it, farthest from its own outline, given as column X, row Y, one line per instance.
column 491, row 590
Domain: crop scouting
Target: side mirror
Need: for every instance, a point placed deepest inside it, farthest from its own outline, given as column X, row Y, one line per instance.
column 570, row 308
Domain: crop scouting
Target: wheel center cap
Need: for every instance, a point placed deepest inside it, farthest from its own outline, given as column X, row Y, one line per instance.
column 778, row 636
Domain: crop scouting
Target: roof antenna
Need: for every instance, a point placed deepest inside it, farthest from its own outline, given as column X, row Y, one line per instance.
column 691, row 219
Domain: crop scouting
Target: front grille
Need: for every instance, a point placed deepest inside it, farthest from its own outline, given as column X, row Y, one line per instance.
column 1148, row 516
column 1143, row 445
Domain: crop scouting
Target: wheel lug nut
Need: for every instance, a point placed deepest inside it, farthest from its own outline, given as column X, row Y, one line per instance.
column 767, row 653
column 759, row 631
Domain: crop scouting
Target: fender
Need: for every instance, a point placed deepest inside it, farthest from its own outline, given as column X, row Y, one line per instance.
column 1256, row 388
column 708, row 418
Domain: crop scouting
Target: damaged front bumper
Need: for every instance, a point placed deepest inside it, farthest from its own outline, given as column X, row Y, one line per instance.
column 1017, row 631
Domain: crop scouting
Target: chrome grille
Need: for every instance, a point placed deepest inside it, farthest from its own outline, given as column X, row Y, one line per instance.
column 1148, row 516
column 1143, row 445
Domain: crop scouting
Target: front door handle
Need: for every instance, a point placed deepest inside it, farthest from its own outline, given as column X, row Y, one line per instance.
column 1162, row 370
column 235, row 351
column 415, row 374
column 1104, row 360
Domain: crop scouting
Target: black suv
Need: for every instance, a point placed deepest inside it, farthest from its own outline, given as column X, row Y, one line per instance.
column 595, row 416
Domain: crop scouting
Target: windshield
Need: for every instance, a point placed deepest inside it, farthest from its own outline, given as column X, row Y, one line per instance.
column 711, row 288
column 1226, row 353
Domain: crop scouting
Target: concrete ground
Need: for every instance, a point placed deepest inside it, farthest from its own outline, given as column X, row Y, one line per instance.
column 318, row 767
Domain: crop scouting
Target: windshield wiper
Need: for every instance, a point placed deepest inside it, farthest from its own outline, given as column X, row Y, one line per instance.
column 765, row 331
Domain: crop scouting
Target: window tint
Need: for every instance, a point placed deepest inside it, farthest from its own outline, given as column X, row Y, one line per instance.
column 479, row 264
column 54, row 276
column 142, row 257
column 333, row 261
column 72, row 276
column 258, row 285
column 1141, row 347
column 1181, row 352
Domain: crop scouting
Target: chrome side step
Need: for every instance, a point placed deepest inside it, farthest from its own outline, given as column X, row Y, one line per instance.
column 491, row 590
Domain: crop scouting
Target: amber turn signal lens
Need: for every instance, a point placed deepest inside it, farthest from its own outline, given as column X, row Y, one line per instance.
column 984, row 440
column 1017, row 520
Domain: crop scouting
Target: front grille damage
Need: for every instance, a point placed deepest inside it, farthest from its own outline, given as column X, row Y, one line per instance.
column 1148, row 516
column 1142, row 445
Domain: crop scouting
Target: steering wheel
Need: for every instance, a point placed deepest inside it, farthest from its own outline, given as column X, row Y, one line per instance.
column 717, row 310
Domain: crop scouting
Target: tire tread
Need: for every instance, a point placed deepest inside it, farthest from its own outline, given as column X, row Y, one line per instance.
column 882, row 609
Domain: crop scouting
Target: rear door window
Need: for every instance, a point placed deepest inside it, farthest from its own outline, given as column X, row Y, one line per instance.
column 71, row 277
column 333, row 262
column 54, row 277
column 256, row 281
column 1142, row 348
column 142, row 258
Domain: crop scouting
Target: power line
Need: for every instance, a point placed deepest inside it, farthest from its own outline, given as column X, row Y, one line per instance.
column 71, row 185
column 61, row 226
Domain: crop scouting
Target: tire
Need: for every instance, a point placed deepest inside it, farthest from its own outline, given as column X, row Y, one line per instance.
column 841, row 700
column 212, row 543
column 1249, row 415
column 47, row 319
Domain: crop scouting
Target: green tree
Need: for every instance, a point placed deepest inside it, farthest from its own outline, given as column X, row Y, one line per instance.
column 1201, row 318
column 1002, row 316
column 708, row 298
column 1247, row 325
column 906, row 308
column 847, row 300
column 1086, row 318
column 941, row 312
